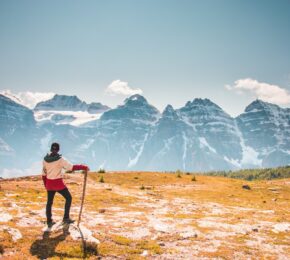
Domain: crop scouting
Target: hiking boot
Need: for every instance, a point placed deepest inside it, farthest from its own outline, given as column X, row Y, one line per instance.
column 50, row 224
column 67, row 221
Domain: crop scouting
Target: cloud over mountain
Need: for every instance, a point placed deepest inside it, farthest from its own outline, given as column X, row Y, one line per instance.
column 118, row 87
column 261, row 90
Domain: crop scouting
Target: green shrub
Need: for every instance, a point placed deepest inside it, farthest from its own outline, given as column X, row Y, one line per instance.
column 254, row 174
column 102, row 179
column 101, row 170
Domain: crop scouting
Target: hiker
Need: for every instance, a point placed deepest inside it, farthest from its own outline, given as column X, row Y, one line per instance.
column 53, row 165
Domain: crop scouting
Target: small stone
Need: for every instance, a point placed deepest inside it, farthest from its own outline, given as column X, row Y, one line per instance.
column 102, row 210
column 255, row 229
column 274, row 188
column 161, row 244
column 109, row 189
column 246, row 187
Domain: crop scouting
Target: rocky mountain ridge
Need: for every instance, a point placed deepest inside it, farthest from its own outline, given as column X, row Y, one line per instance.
column 70, row 103
column 135, row 136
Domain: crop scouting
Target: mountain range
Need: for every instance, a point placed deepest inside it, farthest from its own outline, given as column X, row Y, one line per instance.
column 200, row 136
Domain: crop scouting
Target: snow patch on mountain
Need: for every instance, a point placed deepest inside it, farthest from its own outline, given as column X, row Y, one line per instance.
column 27, row 98
column 45, row 141
column 204, row 143
column 166, row 147
column 133, row 161
column 250, row 156
column 233, row 162
column 185, row 143
column 77, row 117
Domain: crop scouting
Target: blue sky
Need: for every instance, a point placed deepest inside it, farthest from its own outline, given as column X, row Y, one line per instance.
column 173, row 51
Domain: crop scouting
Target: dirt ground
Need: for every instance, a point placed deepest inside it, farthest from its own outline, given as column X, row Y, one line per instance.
column 148, row 215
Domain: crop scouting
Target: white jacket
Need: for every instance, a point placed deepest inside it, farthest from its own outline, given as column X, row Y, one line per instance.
column 54, row 170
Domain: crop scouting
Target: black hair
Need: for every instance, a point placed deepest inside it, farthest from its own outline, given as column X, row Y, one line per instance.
column 54, row 147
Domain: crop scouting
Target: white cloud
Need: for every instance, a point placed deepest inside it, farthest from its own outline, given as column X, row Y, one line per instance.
column 27, row 98
column 118, row 87
column 264, row 91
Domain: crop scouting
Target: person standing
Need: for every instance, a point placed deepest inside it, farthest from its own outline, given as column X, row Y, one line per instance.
column 52, row 174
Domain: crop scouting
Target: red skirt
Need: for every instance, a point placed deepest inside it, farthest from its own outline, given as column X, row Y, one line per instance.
column 55, row 185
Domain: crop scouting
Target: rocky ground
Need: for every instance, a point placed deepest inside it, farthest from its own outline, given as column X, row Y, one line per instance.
column 139, row 215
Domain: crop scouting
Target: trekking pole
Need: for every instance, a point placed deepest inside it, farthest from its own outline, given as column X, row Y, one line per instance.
column 83, row 197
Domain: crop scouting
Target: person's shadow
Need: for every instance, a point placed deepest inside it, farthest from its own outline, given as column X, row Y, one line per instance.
column 45, row 247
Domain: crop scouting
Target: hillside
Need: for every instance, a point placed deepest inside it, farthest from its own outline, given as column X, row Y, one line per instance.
column 150, row 215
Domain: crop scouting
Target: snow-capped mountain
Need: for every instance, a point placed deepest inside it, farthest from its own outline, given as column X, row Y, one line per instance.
column 63, row 109
column 215, row 129
column 122, row 132
column 14, row 116
column 19, row 139
column 134, row 136
column 62, row 103
column 169, row 144
column 266, row 128
column 69, row 103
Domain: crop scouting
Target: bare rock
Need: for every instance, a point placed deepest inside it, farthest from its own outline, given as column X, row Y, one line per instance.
column 102, row 210
column 246, row 187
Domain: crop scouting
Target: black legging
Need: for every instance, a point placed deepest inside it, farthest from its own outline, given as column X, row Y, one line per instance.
column 50, row 196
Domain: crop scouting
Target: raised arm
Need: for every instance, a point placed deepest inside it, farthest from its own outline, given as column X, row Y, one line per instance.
column 80, row 167
column 76, row 167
